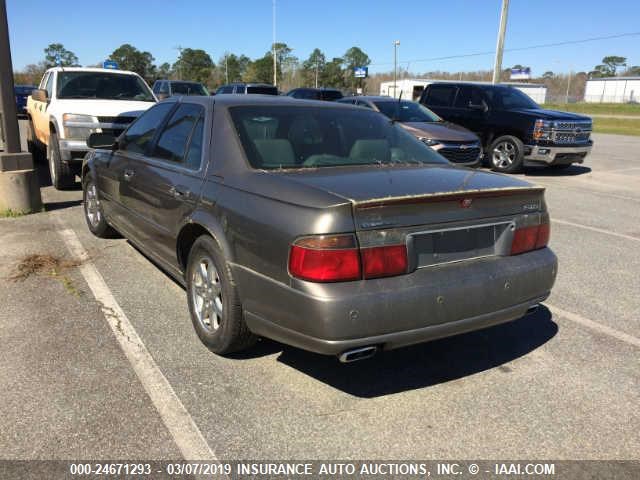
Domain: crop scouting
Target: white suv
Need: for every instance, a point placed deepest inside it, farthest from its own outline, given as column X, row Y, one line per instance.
column 72, row 103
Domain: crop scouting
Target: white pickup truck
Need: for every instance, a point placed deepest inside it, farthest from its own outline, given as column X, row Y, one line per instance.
column 72, row 103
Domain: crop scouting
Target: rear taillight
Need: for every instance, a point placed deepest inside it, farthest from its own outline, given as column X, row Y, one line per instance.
column 325, row 259
column 384, row 261
column 336, row 258
column 530, row 238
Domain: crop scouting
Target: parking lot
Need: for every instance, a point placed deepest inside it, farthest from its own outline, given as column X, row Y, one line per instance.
column 562, row 383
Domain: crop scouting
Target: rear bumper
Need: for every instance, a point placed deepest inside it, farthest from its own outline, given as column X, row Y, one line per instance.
column 557, row 155
column 73, row 150
column 427, row 304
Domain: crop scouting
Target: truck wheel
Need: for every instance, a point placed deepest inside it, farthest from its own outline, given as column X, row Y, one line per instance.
column 32, row 143
column 94, row 213
column 506, row 154
column 216, row 311
column 62, row 176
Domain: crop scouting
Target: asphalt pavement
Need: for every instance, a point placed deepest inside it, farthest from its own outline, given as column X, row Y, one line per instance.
column 562, row 383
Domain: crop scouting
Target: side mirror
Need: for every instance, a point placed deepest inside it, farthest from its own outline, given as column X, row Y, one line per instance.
column 40, row 95
column 104, row 141
column 162, row 96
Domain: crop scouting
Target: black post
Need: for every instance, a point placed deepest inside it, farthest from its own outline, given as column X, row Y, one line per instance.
column 7, row 95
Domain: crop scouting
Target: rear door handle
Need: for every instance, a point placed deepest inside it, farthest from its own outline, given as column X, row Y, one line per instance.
column 180, row 192
column 128, row 174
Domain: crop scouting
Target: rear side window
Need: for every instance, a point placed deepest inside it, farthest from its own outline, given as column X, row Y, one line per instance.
column 441, row 95
column 264, row 90
column 331, row 95
column 173, row 141
column 468, row 96
column 139, row 135
column 225, row 89
column 240, row 89
column 194, row 153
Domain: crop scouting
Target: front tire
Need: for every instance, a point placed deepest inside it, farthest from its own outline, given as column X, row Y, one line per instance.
column 94, row 213
column 62, row 176
column 214, row 304
column 506, row 154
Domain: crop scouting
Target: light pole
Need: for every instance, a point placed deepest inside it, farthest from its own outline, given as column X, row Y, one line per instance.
column 497, row 67
column 316, row 73
column 179, row 62
column 396, row 44
column 566, row 97
column 275, row 60
column 226, row 67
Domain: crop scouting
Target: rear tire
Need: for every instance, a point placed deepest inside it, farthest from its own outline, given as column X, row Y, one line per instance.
column 506, row 154
column 62, row 176
column 214, row 304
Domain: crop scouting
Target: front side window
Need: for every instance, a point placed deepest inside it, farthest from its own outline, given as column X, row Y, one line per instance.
column 275, row 137
column 49, row 86
column 140, row 133
column 508, row 98
column 225, row 89
column 173, row 141
column 441, row 95
column 406, row 111
column 103, row 86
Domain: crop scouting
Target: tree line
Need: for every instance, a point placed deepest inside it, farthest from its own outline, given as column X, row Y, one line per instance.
column 197, row 65
column 316, row 69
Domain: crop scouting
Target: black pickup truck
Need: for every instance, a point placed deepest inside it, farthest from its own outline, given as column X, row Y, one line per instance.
column 513, row 128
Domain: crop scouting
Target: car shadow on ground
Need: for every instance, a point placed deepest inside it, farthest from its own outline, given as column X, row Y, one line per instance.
column 421, row 365
column 572, row 171
column 44, row 180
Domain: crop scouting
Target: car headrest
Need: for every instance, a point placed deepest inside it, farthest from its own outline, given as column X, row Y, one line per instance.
column 275, row 152
column 374, row 150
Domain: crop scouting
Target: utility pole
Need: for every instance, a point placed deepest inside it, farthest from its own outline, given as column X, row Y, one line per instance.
column 566, row 98
column 226, row 67
column 497, row 67
column 396, row 43
column 19, row 188
column 275, row 58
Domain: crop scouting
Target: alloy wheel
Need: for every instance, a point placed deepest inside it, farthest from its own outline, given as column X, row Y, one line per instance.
column 206, row 294
column 92, row 205
column 504, row 154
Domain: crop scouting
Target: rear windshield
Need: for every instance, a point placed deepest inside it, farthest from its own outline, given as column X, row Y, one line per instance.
column 105, row 86
column 275, row 137
column 265, row 90
column 331, row 95
column 186, row 88
column 405, row 111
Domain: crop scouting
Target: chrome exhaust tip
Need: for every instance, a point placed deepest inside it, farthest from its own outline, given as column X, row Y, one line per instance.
column 358, row 354
column 532, row 308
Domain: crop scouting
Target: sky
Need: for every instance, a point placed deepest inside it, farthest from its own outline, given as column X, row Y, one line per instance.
column 92, row 29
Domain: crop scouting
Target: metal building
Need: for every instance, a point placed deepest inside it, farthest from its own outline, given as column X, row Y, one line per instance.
column 411, row 88
column 613, row 90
